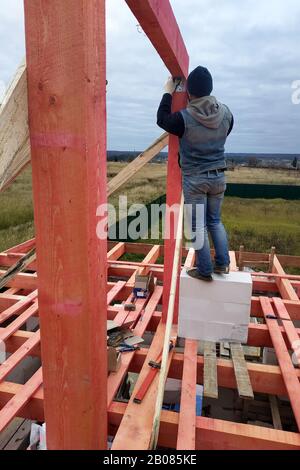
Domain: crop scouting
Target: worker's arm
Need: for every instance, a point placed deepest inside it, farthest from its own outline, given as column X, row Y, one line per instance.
column 172, row 123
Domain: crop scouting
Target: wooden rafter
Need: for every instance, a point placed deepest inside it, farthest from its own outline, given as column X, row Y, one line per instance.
column 14, row 134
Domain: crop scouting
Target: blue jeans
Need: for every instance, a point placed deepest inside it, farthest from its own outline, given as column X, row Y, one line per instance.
column 207, row 189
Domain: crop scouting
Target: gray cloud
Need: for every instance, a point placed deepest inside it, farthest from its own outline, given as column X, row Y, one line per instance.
column 251, row 47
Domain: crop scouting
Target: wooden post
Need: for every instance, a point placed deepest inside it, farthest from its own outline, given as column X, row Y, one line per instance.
column 168, row 332
column 159, row 23
column 65, row 42
column 173, row 197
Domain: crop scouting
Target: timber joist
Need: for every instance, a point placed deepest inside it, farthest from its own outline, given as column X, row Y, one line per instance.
column 185, row 429
column 54, row 115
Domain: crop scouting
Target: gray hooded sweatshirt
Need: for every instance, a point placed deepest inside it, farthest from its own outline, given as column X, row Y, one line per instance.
column 202, row 146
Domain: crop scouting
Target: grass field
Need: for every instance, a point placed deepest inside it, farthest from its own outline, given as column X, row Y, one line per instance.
column 256, row 223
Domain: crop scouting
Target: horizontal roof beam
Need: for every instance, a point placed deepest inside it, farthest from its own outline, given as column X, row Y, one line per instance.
column 159, row 24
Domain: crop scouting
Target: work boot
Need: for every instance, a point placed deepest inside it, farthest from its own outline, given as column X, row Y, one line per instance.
column 196, row 275
column 221, row 269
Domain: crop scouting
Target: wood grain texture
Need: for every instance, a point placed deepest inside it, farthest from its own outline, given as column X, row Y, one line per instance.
column 14, row 134
column 157, row 19
column 137, row 164
column 159, row 23
column 65, row 45
column 288, row 371
column 284, row 285
column 186, row 439
column 210, row 372
column 174, row 189
column 13, row 407
column 241, row 372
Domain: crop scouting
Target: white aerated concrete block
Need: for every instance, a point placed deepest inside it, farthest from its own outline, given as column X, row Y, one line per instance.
column 217, row 311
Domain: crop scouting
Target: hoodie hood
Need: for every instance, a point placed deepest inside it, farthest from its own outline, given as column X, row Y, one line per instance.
column 208, row 111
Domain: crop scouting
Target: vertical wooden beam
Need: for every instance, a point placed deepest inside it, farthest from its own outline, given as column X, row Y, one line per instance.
column 174, row 189
column 65, row 43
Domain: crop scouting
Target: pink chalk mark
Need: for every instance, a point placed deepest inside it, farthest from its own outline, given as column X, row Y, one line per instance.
column 57, row 140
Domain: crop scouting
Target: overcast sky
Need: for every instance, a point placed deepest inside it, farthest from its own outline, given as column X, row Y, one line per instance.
column 251, row 47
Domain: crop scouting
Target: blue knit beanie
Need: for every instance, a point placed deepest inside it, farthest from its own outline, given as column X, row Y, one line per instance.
column 200, row 82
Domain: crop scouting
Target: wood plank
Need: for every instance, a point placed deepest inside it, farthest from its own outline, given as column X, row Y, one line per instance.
column 8, row 300
column 174, row 188
column 264, row 378
column 137, row 164
column 25, row 350
column 23, row 247
column 14, row 135
column 7, row 434
column 143, row 269
column 292, row 333
column 66, row 71
column 18, row 307
column 26, row 281
column 233, row 263
column 18, row 322
column 170, row 320
column 292, row 306
column 287, row 369
column 20, row 399
column 215, row 434
column 159, row 23
column 116, row 252
column 273, row 276
column 16, row 341
column 115, row 291
column 285, row 288
column 19, row 266
column 21, row 438
column 210, row 373
column 241, row 372
column 211, row 434
column 186, row 439
column 136, row 434
column 115, row 380
column 275, row 412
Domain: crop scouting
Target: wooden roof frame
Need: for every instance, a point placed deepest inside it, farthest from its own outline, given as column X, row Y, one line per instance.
column 182, row 430
column 65, row 46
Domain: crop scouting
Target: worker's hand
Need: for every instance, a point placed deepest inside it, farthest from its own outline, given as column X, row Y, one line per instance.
column 170, row 86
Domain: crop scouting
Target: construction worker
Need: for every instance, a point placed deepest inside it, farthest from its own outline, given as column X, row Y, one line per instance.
column 202, row 128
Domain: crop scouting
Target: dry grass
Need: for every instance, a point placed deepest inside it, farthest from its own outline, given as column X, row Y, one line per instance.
column 256, row 223
column 263, row 176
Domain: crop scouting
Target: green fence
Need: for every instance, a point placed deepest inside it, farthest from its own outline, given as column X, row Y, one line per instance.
column 263, row 191
column 118, row 232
